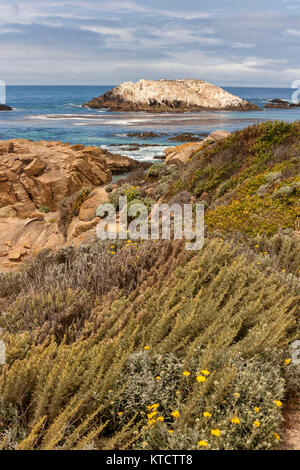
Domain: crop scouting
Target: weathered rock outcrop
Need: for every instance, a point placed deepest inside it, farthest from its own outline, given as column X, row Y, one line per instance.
column 170, row 95
column 117, row 163
column 180, row 154
column 34, row 178
column 36, row 174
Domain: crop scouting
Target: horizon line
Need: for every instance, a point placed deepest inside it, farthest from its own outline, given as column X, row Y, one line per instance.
column 117, row 84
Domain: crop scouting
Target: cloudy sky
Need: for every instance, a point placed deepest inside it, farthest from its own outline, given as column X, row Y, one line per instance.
column 234, row 42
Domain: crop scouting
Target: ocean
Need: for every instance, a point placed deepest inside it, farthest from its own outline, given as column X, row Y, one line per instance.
column 56, row 113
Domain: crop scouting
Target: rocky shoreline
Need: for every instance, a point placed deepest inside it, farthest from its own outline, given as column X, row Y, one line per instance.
column 186, row 95
column 35, row 179
column 49, row 191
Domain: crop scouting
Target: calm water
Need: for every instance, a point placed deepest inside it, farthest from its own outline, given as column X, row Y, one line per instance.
column 55, row 113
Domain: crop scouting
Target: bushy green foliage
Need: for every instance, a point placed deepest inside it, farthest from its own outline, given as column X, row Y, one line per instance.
column 44, row 209
column 69, row 207
column 161, row 170
column 80, row 198
column 131, row 192
column 234, row 173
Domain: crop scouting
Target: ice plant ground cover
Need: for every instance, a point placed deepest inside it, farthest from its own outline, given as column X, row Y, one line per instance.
column 146, row 345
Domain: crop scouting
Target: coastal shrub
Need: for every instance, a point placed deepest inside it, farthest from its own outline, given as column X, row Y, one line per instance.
column 69, row 207
column 175, row 188
column 130, row 357
column 65, row 211
column 226, row 186
column 162, row 171
column 184, row 197
column 153, row 172
column 255, row 171
column 80, row 198
column 44, row 209
column 146, row 201
column 54, row 280
column 246, row 419
column 131, row 192
column 109, row 188
column 283, row 250
column 161, row 190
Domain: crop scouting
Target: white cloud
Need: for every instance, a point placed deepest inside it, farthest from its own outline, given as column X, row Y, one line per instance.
column 4, row 30
column 122, row 33
column 187, row 15
column 242, row 45
column 293, row 32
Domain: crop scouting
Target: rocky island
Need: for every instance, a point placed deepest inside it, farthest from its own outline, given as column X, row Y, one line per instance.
column 170, row 96
column 5, row 107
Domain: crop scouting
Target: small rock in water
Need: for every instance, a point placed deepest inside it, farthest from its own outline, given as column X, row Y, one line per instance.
column 4, row 107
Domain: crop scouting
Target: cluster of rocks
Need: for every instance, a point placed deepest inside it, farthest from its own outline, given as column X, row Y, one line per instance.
column 184, row 137
column 171, row 96
column 34, row 178
column 181, row 154
column 36, row 174
column 281, row 104
column 145, row 134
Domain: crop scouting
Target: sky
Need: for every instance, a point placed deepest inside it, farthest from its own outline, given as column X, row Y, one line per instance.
column 107, row 42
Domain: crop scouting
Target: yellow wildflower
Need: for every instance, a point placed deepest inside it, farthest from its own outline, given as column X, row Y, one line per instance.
column 152, row 414
column 256, row 424
column 152, row 421
column 205, row 372
column 200, row 379
column 287, row 361
column 276, row 436
column 215, row 432
column 256, row 409
column 278, row 403
column 154, row 406
column 158, row 377
column 120, row 413
column 147, row 348
column 237, row 395
column 202, row 443
column 170, row 431
column 160, row 418
column 175, row 414
column 235, row 420
column 113, row 253
column 206, row 414
column 186, row 373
